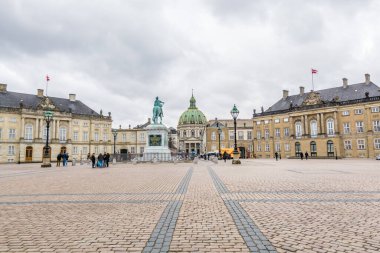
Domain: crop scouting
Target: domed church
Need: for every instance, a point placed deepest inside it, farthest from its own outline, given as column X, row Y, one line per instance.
column 191, row 130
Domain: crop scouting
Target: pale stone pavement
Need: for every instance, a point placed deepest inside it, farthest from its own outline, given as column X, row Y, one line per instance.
column 259, row 206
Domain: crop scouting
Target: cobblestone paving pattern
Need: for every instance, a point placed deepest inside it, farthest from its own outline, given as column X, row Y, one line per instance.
column 296, row 206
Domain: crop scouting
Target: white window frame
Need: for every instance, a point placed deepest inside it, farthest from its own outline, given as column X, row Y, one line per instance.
column 267, row 147
column 258, row 134
column 376, row 125
column 345, row 113
column 62, row 134
column 266, row 134
column 375, row 109
column 376, row 143
column 346, row 128
column 347, row 144
column 287, row 147
column 313, row 128
column 96, row 136
column 11, row 150
column 213, row 136
column 359, row 126
column 330, row 127
column 240, row 135
column 124, row 137
column 12, row 134
column 259, row 146
column 85, row 136
column 358, row 111
column 277, row 132
column 75, row 135
column 277, row 147
column 286, row 131
column 249, row 135
column 298, row 128
column 28, row 132
column 361, row 144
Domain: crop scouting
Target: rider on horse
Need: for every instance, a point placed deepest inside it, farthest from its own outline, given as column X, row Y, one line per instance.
column 157, row 110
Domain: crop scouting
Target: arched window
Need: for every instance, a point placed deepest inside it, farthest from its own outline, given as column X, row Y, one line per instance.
column 330, row 148
column 45, row 133
column 222, row 136
column 192, row 133
column 184, row 133
column 62, row 134
column 298, row 148
column 298, row 126
column 313, row 148
column 28, row 132
column 330, row 126
column 313, row 128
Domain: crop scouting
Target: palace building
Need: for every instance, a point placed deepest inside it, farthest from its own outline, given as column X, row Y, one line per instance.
column 191, row 129
column 75, row 128
column 336, row 122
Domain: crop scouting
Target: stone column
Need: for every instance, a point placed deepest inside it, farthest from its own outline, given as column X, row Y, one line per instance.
column 69, row 130
column 37, row 128
column 52, row 126
column 318, row 124
column 40, row 121
column 22, row 131
column 303, row 125
column 291, row 127
column 57, row 129
column 306, row 125
column 336, row 128
column 322, row 124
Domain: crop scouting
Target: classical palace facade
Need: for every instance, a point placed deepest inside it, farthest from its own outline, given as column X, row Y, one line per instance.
column 244, row 137
column 75, row 127
column 336, row 122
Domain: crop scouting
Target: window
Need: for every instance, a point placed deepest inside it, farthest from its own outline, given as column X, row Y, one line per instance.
column 184, row 133
column 133, row 150
column 75, row 122
column 330, row 148
column 376, row 125
column 213, row 136
column 250, row 147
column 13, row 120
column 376, row 143
column 277, row 147
column 96, row 136
column 276, row 120
column 12, row 134
column 84, row 150
column 286, row 120
column 358, row 111
column 85, row 124
column 267, row 149
column 96, row 150
column 45, row 133
column 192, row 133
column 347, row 145
column 142, row 137
column 62, row 133
column 222, row 136
column 28, row 132
column 11, row 150
column 345, row 113
column 1, row 119
column 359, row 126
column 75, row 135
column 313, row 128
column 141, row 150
column 266, row 133
column 240, row 135
column 105, row 136
column 313, row 148
column 298, row 129
column 258, row 146
column 330, row 127
column 124, row 137
column 258, row 134
column 266, row 122
column 85, row 136
column 232, row 135
column 375, row 109
column 277, row 132
column 361, row 144
column 286, row 131
column 249, row 135
column 75, row 150
column 258, row 123
column 287, row 147
column 346, row 128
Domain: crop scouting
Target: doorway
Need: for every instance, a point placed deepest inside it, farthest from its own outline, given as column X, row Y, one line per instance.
column 29, row 154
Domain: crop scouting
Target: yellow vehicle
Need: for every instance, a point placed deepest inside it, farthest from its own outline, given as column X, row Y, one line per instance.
column 229, row 151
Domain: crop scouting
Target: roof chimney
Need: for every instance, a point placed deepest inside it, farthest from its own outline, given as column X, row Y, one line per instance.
column 285, row 94
column 149, row 120
column 302, row 90
column 3, row 87
column 72, row 97
column 40, row 93
column 345, row 82
column 367, row 79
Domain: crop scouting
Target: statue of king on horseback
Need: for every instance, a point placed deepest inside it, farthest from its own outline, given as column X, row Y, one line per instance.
column 157, row 111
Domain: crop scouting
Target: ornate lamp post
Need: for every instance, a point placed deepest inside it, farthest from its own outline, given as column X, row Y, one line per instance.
column 46, row 156
column 235, row 114
column 114, row 132
column 219, row 133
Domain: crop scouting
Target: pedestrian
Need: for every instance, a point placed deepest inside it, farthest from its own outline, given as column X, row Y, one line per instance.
column 280, row 156
column 100, row 160
column 65, row 157
column 276, row 155
column 301, row 155
column 59, row 157
column 107, row 159
column 93, row 160
column 306, row 155
column 225, row 156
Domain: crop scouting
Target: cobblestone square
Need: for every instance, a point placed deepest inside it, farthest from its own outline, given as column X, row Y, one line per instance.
column 259, row 206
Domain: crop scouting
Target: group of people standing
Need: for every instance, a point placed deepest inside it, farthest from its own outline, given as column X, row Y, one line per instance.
column 101, row 161
column 64, row 157
column 277, row 155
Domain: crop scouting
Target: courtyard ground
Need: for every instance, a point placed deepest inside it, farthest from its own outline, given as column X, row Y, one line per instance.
column 259, row 206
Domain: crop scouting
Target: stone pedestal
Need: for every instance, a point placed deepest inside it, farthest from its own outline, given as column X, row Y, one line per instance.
column 157, row 143
column 46, row 158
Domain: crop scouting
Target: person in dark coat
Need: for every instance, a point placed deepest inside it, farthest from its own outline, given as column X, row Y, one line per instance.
column 276, row 155
column 306, row 155
column 225, row 156
column 301, row 155
column 107, row 159
column 59, row 157
column 65, row 158
column 93, row 160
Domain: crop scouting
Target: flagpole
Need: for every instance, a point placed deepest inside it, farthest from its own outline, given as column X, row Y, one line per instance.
column 47, row 87
column 312, row 80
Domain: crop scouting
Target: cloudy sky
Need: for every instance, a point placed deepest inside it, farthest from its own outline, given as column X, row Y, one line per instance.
column 118, row 55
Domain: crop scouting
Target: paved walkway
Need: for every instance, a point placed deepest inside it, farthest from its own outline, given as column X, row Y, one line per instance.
column 260, row 206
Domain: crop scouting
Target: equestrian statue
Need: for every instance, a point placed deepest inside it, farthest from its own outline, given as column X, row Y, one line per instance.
column 157, row 111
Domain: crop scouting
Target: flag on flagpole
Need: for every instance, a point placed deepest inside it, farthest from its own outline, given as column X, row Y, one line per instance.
column 314, row 71
column 47, row 78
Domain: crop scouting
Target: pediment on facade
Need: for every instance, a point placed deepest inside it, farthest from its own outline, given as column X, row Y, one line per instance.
column 313, row 98
column 46, row 104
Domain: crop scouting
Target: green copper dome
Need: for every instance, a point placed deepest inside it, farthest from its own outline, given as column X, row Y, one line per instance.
column 192, row 115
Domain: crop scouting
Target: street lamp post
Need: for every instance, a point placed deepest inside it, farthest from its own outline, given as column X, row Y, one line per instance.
column 46, row 156
column 114, row 132
column 235, row 114
column 219, row 133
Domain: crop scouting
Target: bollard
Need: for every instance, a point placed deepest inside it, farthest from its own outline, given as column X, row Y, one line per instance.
column 74, row 161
